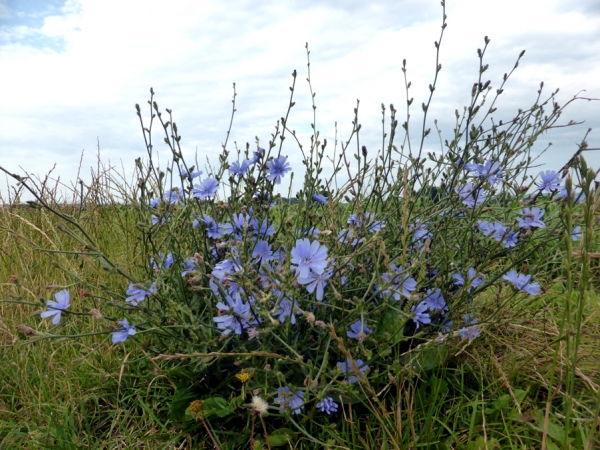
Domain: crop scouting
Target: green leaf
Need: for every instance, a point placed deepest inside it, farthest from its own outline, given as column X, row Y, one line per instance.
column 390, row 327
column 427, row 358
column 179, row 403
column 216, row 406
column 281, row 436
column 482, row 444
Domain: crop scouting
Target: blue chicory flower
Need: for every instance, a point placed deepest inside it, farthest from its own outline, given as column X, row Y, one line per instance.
column 347, row 237
column 576, row 233
column 327, row 405
column 308, row 256
column 319, row 198
column 471, row 332
column 550, row 181
column 277, row 168
column 492, row 171
column 531, row 218
column 356, row 367
column 473, row 279
column 137, row 295
column 420, row 232
column 421, row 317
column 266, row 228
column 156, row 220
column 237, row 318
column 358, row 331
column 212, row 228
column 122, row 334
column 434, row 300
column 316, row 281
column 285, row 310
column 167, row 261
column 471, row 197
column 522, row 283
column 235, row 168
column 257, row 155
column 262, row 252
column 55, row 308
column 190, row 175
column 287, row 400
column 172, row 196
column 206, row 189
column 400, row 285
column 190, row 264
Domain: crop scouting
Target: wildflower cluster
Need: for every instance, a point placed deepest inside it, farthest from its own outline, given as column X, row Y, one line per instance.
column 324, row 298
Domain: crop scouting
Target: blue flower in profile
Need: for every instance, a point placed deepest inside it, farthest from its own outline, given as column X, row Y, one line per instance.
column 511, row 239
column 287, row 400
column 347, row 237
column 235, row 168
column 122, row 334
column 471, row 197
column 172, row 196
column 307, row 256
column 257, row 155
column 446, row 325
column 499, row 232
column 373, row 225
column 166, row 261
column 401, row 285
column 492, row 171
column 190, row 265
column 212, row 228
column 285, row 310
column 549, row 181
column 327, row 405
column 576, row 233
column 55, row 308
column 319, row 198
column 266, row 228
column 262, row 252
column 312, row 231
column 471, row 332
column 137, row 295
column 154, row 202
column 316, row 281
column 189, row 174
column 206, row 189
column 358, row 331
column 356, row 367
column 578, row 196
column 531, row 218
column 277, row 168
column 420, row 231
column 522, row 283
column 156, row 220
column 474, row 279
column 421, row 317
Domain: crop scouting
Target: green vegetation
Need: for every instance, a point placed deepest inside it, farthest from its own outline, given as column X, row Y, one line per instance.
column 446, row 301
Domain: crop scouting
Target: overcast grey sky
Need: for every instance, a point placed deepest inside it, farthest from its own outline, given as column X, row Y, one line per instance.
column 71, row 72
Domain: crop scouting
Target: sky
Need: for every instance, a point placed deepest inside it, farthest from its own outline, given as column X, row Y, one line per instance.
column 72, row 71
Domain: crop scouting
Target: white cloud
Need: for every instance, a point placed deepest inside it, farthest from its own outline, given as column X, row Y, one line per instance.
column 58, row 102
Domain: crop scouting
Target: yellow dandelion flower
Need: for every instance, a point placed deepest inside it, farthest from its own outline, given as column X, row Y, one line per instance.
column 195, row 406
column 243, row 376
